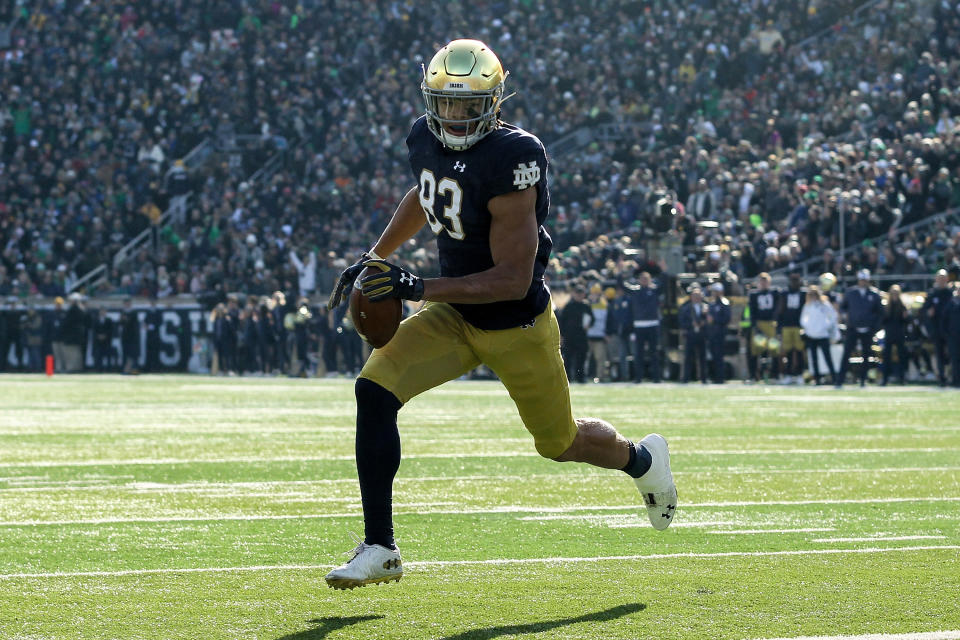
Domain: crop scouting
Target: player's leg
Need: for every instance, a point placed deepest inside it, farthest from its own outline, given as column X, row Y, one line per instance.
column 527, row 361
column 849, row 344
column 866, row 350
column 426, row 351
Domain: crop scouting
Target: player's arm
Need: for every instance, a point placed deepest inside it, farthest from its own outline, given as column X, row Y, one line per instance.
column 513, row 247
column 407, row 220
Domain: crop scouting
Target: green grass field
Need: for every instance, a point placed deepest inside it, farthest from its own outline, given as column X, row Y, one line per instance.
column 203, row 508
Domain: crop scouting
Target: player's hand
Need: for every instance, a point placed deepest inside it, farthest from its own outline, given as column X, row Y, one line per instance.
column 346, row 281
column 392, row 282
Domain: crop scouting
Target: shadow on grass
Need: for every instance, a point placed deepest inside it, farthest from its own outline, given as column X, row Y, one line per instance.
column 537, row 627
column 326, row 626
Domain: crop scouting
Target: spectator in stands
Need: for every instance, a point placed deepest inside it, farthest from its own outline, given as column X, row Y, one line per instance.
column 863, row 312
column 177, row 186
column 306, row 271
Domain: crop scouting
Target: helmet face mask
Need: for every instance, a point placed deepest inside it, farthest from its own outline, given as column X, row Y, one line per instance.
column 463, row 90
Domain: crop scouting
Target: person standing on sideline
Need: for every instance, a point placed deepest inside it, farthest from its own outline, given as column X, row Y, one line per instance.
column 482, row 189
column 619, row 328
column 950, row 327
column 763, row 322
column 645, row 303
column 32, row 327
column 56, row 328
column 74, row 335
column 788, row 322
column 575, row 320
column 152, row 321
column 5, row 341
column 103, row 341
column 718, row 319
column 693, row 320
column 597, row 334
column 818, row 319
column 863, row 309
column 130, row 338
column 895, row 319
column 931, row 315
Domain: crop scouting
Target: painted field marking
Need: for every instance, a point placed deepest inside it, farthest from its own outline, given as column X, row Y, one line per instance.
column 490, row 562
column 507, row 509
column 879, row 539
column 441, row 456
column 741, row 532
column 928, row 635
column 190, row 487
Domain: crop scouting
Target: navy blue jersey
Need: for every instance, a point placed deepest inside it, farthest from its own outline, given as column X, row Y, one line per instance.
column 454, row 189
column 791, row 304
column 763, row 305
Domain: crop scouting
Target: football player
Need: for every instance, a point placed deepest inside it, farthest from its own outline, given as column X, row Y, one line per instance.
column 481, row 187
column 788, row 322
column 763, row 304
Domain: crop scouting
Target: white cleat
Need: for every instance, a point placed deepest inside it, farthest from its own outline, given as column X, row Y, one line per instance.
column 371, row 564
column 656, row 485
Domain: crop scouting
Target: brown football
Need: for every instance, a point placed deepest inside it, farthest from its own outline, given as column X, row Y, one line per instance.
column 376, row 322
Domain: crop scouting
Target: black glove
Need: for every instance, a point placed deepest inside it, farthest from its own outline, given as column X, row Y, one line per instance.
column 346, row 281
column 394, row 282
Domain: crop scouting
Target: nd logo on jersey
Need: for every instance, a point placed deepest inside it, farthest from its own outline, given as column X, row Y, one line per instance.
column 526, row 175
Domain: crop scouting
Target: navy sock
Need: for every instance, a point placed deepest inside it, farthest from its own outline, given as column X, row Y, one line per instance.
column 378, row 458
column 640, row 461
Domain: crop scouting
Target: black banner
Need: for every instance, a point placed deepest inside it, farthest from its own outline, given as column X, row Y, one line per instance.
column 171, row 339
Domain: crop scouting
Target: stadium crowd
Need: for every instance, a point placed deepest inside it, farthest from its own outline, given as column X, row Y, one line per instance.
column 739, row 139
column 783, row 137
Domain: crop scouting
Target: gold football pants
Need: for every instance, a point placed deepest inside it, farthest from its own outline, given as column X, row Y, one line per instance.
column 436, row 345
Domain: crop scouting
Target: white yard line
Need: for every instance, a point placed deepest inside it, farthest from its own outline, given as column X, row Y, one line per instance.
column 929, row 635
column 742, row 532
column 440, row 456
column 879, row 539
column 491, row 562
column 189, row 487
column 507, row 509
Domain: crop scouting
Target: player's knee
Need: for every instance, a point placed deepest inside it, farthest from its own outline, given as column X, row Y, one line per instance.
column 374, row 399
column 558, row 452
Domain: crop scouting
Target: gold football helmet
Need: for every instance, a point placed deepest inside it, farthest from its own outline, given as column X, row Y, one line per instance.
column 463, row 90
column 827, row 281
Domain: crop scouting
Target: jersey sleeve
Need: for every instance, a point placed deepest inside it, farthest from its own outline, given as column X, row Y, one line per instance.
column 520, row 163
